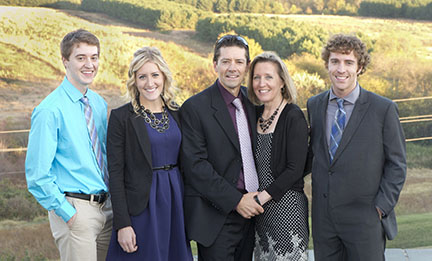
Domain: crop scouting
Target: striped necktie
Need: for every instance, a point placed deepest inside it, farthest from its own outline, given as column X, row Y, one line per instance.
column 94, row 137
column 249, row 170
column 337, row 128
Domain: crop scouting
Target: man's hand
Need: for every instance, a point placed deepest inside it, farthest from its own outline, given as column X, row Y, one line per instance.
column 127, row 239
column 71, row 220
column 248, row 207
column 379, row 213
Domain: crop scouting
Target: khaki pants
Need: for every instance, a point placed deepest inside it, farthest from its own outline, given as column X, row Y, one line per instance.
column 89, row 236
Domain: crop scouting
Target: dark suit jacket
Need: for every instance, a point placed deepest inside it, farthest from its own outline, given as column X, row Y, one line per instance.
column 369, row 167
column 212, row 161
column 288, row 152
column 129, row 163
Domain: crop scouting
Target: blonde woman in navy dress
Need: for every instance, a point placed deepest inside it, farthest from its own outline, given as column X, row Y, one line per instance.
column 143, row 143
column 282, row 231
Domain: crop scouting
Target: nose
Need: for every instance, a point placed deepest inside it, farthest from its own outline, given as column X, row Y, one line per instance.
column 261, row 82
column 150, row 81
column 341, row 67
column 88, row 63
column 232, row 66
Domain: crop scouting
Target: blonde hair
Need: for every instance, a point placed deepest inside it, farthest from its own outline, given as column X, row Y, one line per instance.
column 289, row 92
column 142, row 56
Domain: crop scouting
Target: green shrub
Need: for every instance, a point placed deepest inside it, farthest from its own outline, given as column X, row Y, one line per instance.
column 17, row 203
column 161, row 15
column 284, row 36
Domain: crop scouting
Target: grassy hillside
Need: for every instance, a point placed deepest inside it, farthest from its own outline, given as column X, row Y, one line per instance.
column 30, row 68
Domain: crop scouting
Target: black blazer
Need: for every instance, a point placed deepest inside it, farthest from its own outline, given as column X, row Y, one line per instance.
column 212, row 161
column 129, row 163
column 288, row 152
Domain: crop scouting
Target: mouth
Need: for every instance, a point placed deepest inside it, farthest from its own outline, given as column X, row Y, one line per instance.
column 87, row 73
column 233, row 77
column 263, row 91
column 341, row 78
column 152, row 89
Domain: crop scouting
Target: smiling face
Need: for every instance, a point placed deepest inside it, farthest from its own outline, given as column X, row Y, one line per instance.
column 82, row 65
column 231, row 68
column 150, row 83
column 343, row 70
column 266, row 82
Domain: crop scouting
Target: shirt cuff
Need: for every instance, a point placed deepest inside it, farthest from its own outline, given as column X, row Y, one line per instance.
column 65, row 211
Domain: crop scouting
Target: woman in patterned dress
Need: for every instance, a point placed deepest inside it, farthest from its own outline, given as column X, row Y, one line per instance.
column 146, row 187
column 282, row 231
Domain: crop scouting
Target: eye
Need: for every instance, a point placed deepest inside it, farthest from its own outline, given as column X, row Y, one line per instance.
column 269, row 77
column 80, row 58
column 155, row 75
column 95, row 58
column 141, row 77
column 256, row 77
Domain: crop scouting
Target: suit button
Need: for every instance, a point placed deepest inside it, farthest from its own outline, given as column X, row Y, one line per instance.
column 330, row 173
column 325, row 195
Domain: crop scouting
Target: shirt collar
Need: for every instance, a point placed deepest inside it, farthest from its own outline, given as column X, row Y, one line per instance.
column 71, row 91
column 351, row 98
column 227, row 96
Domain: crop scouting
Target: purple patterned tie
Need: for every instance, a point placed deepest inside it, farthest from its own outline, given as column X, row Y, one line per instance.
column 94, row 137
column 249, row 170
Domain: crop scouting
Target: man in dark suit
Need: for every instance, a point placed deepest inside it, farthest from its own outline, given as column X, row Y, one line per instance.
column 219, row 204
column 359, row 163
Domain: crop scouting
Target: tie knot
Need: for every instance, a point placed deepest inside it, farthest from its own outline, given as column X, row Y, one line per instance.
column 340, row 103
column 84, row 100
column 237, row 103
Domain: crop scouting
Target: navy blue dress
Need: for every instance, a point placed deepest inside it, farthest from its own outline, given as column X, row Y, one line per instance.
column 160, row 228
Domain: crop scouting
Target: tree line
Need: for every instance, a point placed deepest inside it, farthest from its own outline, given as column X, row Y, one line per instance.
column 184, row 13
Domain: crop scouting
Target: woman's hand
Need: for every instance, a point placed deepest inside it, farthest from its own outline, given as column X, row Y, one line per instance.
column 127, row 239
column 264, row 197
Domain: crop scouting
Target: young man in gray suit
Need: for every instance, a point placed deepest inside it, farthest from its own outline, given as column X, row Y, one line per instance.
column 359, row 162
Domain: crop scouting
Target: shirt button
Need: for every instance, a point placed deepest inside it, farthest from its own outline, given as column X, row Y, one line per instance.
column 325, row 195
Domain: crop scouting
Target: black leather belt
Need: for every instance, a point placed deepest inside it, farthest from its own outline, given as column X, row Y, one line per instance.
column 166, row 167
column 98, row 198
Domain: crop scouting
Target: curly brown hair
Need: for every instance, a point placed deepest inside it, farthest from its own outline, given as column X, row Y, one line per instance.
column 342, row 43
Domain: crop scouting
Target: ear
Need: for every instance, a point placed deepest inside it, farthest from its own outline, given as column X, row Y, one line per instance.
column 64, row 61
column 359, row 70
column 215, row 66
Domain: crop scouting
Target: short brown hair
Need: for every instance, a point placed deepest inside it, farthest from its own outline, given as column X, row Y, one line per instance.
column 76, row 37
column 289, row 92
column 342, row 43
column 230, row 40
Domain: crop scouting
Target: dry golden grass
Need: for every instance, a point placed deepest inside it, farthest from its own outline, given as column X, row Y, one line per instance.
column 21, row 240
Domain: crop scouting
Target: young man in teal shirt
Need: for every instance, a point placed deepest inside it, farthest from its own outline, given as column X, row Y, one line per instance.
column 66, row 156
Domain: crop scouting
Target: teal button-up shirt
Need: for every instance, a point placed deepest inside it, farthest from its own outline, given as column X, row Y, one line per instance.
column 60, row 156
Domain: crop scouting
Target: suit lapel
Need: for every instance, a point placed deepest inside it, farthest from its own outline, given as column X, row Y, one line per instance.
column 222, row 116
column 142, row 135
column 251, row 113
column 359, row 111
column 322, row 117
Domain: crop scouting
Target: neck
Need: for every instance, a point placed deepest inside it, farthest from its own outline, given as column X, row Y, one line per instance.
column 270, row 107
column 153, row 106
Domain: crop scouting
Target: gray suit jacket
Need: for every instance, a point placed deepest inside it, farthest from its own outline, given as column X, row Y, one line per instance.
column 369, row 167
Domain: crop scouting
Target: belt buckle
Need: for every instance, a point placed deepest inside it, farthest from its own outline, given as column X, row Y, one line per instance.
column 92, row 199
column 167, row 167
